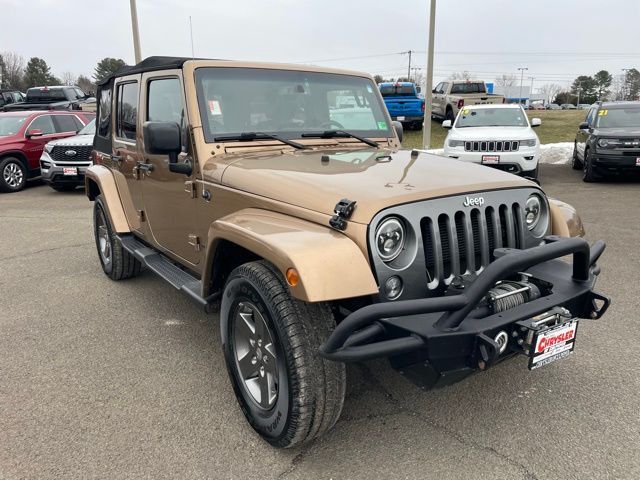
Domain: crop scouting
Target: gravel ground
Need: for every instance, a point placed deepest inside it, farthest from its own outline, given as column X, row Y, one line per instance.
column 126, row 380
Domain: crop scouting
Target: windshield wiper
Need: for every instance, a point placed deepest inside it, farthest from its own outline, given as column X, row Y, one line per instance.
column 340, row 133
column 249, row 136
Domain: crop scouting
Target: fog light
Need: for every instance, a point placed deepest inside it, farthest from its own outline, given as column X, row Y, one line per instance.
column 45, row 165
column 502, row 339
column 393, row 287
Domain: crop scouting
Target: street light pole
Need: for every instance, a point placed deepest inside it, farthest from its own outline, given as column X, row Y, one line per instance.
column 426, row 128
column 136, row 32
column 522, row 69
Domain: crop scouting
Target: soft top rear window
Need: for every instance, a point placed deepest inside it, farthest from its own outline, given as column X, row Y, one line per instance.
column 471, row 87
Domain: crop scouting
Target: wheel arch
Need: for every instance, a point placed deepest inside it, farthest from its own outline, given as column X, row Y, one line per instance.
column 99, row 180
column 17, row 154
column 329, row 264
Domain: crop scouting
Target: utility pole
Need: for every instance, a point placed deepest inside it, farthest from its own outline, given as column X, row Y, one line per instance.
column 136, row 33
column 522, row 69
column 579, row 89
column 409, row 69
column 426, row 129
column 193, row 55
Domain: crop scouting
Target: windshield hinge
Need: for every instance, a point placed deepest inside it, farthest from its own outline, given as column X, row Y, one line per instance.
column 342, row 212
column 194, row 240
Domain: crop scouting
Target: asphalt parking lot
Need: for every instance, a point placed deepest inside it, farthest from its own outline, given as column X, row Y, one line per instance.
column 126, row 380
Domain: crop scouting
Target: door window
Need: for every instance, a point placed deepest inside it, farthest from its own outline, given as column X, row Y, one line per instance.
column 67, row 123
column 44, row 123
column 164, row 103
column 591, row 116
column 127, row 111
column 437, row 89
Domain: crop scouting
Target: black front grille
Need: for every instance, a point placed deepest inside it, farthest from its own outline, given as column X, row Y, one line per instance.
column 59, row 153
column 492, row 146
column 464, row 242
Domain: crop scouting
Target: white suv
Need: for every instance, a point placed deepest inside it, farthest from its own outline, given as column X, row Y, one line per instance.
column 498, row 136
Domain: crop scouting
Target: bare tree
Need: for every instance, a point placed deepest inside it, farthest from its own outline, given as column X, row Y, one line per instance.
column 506, row 80
column 465, row 75
column 550, row 90
column 68, row 78
column 618, row 88
column 14, row 70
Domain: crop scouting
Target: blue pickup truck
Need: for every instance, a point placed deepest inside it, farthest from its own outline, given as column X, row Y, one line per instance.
column 403, row 103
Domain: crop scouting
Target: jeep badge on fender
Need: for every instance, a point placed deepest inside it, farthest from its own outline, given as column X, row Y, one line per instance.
column 445, row 278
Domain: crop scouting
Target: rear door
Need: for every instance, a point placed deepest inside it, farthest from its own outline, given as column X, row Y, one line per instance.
column 126, row 150
column 169, row 199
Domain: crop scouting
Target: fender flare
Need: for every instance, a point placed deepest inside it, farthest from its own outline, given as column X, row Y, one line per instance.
column 330, row 265
column 99, row 180
column 565, row 221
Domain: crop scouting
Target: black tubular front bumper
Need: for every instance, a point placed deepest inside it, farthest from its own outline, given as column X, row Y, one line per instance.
column 449, row 333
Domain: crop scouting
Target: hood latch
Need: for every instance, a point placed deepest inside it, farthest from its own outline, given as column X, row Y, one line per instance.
column 343, row 211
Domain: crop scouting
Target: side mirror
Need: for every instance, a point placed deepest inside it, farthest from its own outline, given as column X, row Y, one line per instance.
column 584, row 126
column 434, row 91
column 446, row 124
column 397, row 126
column 536, row 122
column 163, row 138
column 34, row 132
column 418, row 89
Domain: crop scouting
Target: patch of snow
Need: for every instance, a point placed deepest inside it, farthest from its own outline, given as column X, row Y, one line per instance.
column 553, row 153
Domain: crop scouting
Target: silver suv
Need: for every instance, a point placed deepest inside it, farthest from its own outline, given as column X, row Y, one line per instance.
column 63, row 162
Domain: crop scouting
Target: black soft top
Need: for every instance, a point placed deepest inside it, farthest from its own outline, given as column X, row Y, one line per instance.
column 149, row 64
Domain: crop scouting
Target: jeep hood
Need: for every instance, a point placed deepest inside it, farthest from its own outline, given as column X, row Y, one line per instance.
column 375, row 179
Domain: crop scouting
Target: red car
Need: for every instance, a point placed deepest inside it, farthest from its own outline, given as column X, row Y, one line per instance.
column 24, row 134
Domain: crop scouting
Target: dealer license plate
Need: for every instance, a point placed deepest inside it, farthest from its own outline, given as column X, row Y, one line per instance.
column 554, row 343
column 490, row 159
column 70, row 171
column 401, row 119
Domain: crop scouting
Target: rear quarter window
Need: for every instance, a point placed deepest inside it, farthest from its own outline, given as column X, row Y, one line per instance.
column 104, row 114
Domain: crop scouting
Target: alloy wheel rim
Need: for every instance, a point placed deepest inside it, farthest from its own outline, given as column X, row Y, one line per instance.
column 13, row 175
column 255, row 355
column 104, row 242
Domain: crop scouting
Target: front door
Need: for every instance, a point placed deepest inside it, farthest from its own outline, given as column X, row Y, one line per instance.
column 169, row 201
column 48, row 130
column 583, row 134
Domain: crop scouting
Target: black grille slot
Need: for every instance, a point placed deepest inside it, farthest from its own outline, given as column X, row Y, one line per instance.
column 466, row 240
column 59, row 153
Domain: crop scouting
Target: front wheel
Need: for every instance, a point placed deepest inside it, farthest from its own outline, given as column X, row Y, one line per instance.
column 589, row 173
column 576, row 164
column 13, row 175
column 286, row 390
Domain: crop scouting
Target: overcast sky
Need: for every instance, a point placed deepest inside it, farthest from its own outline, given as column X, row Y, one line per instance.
column 556, row 39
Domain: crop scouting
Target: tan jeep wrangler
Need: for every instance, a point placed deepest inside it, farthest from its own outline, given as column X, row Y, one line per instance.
column 281, row 194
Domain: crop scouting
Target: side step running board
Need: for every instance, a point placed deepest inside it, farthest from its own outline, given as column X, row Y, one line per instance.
column 164, row 268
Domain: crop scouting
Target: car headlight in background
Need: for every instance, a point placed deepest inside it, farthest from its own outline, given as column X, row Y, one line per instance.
column 48, row 147
column 530, row 142
column 536, row 215
column 609, row 143
column 390, row 238
column 456, row 143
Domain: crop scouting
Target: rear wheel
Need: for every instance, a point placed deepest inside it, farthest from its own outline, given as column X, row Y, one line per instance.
column 576, row 164
column 286, row 390
column 13, row 175
column 117, row 263
column 449, row 115
column 63, row 188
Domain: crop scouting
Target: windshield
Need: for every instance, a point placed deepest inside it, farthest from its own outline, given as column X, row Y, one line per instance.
column 492, row 117
column 287, row 103
column 397, row 91
column 10, row 125
column 619, row 117
column 89, row 128
column 468, row 87
column 45, row 94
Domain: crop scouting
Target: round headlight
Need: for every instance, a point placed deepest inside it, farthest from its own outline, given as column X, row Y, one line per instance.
column 390, row 238
column 532, row 210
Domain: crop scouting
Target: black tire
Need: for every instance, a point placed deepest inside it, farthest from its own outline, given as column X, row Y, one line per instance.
column 63, row 188
column 531, row 173
column 589, row 173
column 13, row 175
column 117, row 263
column 449, row 115
column 310, row 390
column 576, row 164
